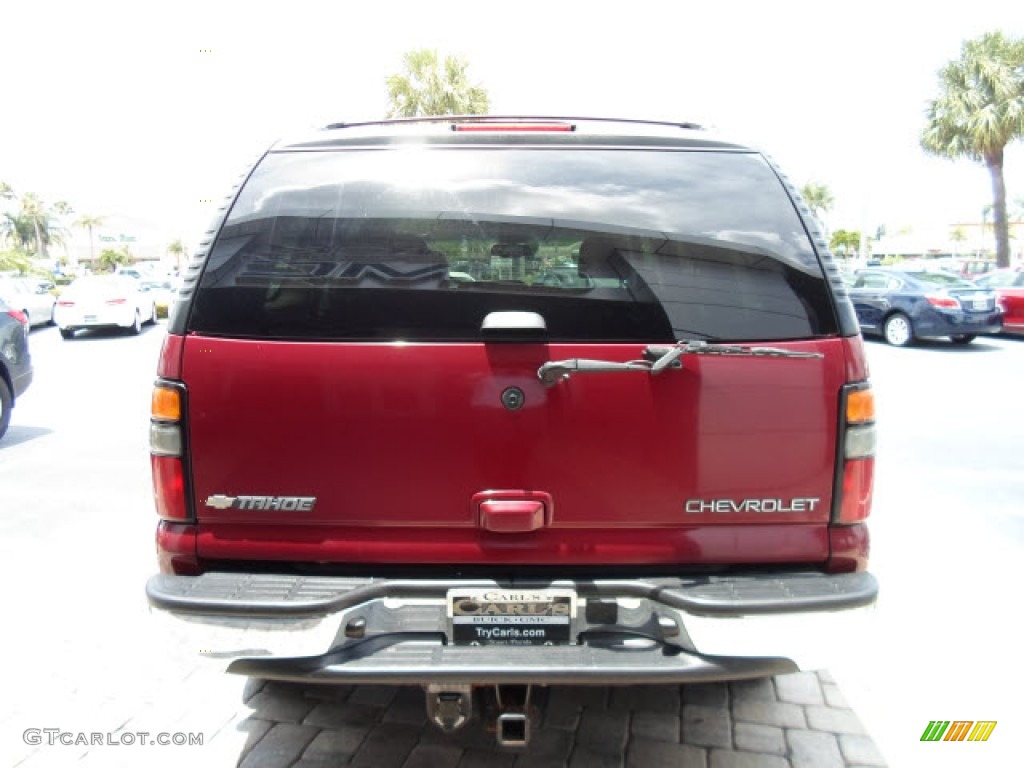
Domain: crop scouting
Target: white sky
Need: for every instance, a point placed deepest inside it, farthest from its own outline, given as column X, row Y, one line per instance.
column 112, row 107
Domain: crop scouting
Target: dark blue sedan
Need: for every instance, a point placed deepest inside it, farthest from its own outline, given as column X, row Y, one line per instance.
column 905, row 305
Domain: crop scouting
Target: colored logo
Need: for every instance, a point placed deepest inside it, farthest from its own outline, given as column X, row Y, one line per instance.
column 958, row 730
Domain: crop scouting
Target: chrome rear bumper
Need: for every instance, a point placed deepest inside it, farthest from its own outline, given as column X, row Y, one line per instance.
column 353, row 630
column 257, row 595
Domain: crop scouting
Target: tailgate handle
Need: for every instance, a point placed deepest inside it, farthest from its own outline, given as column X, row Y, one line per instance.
column 513, row 326
column 512, row 515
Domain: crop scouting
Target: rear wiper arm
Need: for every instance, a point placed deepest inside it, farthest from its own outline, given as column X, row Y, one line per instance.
column 659, row 358
column 553, row 372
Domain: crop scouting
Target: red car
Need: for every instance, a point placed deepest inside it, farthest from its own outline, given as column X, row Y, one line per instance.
column 1009, row 286
column 971, row 269
column 487, row 403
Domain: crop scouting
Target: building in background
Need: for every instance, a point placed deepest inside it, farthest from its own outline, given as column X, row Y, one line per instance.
column 974, row 239
column 146, row 241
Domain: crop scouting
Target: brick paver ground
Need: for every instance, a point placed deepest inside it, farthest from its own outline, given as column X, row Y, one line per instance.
column 790, row 721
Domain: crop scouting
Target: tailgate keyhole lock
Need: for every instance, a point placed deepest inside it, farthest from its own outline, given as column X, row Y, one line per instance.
column 513, row 398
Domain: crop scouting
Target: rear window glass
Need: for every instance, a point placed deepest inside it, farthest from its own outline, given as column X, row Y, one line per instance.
column 422, row 243
column 1001, row 279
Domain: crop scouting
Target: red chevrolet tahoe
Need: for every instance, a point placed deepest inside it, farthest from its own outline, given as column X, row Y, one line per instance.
column 485, row 403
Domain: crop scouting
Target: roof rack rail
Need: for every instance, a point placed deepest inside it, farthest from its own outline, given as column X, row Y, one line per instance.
column 488, row 118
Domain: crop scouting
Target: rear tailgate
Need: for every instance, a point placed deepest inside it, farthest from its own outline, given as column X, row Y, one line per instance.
column 345, row 391
column 726, row 460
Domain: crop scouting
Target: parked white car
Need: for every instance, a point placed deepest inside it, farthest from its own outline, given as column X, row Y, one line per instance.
column 104, row 301
column 30, row 296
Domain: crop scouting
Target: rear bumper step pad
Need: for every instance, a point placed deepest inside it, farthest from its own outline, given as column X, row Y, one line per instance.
column 292, row 596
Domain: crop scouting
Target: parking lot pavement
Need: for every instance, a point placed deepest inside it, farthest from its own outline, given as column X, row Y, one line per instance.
column 798, row 720
column 85, row 656
column 791, row 720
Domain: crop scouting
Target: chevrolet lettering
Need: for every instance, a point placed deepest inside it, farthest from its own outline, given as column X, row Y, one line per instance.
column 697, row 506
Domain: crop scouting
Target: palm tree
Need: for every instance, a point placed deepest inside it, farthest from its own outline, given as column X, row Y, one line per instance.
column 817, row 197
column 112, row 258
column 88, row 222
column 979, row 111
column 42, row 218
column 844, row 242
column 18, row 230
column 428, row 88
column 957, row 236
column 178, row 250
column 8, row 226
column 986, row 212
column 33, row 210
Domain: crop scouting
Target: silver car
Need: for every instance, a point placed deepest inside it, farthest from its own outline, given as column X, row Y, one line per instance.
column 30, row 296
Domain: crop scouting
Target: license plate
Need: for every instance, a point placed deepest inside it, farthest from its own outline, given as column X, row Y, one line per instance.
column 511, row 616
column 980, row 304
column 90, row 318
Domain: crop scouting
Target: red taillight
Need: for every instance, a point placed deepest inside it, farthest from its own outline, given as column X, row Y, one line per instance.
column 167, row 451
column 856, row 478
column 117, row 301
column 18, row 315
column 169, row 488
column 943, row 302
column 520, row 127
column 858, row 487
column 65, row 303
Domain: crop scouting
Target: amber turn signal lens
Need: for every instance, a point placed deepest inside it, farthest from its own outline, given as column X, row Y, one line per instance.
column 860, row 406
column 166, row 404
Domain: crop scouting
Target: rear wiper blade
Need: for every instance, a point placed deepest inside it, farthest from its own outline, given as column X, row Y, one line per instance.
column 659, row 358
column 665, row 356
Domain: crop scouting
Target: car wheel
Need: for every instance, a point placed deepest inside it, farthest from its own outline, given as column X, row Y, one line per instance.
column 136, row 327
column 67, row 333
column 152, row 313
column 898, row 330
column 5, row 407
column 963, row 338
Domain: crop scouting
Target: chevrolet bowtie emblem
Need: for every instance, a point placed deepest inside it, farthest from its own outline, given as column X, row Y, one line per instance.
column 220, row 502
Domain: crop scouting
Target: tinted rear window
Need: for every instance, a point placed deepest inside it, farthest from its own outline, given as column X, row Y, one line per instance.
column 422, row 243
